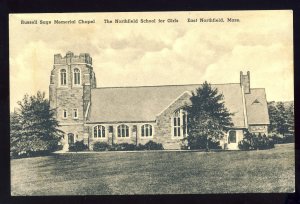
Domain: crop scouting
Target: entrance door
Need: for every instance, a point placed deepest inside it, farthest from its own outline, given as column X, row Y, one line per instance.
column 70, row 138
column 232, row 140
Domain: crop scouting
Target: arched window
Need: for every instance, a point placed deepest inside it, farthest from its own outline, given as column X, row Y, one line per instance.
column 63, row 77
column 99, row 131
column 232, row 137
column 123, row 131
column 179, row 123
column 146, row 130
column 76, row 76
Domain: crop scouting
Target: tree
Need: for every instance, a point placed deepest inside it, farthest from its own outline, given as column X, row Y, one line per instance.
column 282, row 119
column 208, row 118
column 273, row 115
column 33, row 126
column 291, row 118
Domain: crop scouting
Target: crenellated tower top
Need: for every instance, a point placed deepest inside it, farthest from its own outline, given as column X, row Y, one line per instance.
column 70, row 58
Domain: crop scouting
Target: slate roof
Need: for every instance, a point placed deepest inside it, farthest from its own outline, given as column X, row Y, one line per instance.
column 256, row 105
column 134, row 104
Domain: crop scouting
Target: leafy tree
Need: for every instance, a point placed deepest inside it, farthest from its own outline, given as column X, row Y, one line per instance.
column 282, row 117
column 208, row 118
column 273, row 115
column 291, row 118
column 34, row 127
column 253, row 141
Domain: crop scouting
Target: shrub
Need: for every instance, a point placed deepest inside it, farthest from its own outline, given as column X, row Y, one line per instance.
column 289, row 138
column 153, row 146
column 252, row 141
column 214, row 144
column 78, row 146
column 200, row 143
column 278, row 139
column 24, row 154
column 30, row 148
column 263, row 142
column 101, row 146
column 244, row 144
column 282, row 139
column 123, row 147
column 184, row 144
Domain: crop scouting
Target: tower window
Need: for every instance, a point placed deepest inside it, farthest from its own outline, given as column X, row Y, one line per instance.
column 76, row 76
column 65, row 114
column 75, row 113
column 63, row 77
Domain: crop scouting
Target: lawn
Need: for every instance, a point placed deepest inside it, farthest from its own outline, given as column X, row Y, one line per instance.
column 156, row 173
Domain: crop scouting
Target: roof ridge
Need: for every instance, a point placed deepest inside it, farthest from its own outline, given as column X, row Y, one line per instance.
column 157, row 86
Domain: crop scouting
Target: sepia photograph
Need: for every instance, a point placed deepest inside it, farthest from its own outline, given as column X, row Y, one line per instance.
column 150, row 103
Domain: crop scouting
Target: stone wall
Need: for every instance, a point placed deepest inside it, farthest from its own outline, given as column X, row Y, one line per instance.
column 76, row 129
column 164, row 123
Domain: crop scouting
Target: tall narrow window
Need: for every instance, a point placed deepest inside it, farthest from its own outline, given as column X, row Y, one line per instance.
column 123, row 131
column 75, row 113
column 63, row 77
column 146, row 130
column 99, row 131
column 179, row 123
column 65, row 114
column 176, row 125
column 76, row 76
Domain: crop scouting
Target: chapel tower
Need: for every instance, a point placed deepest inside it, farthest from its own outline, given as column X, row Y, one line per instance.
column 71, row 81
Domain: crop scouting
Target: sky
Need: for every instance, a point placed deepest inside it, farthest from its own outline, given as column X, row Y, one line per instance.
column 135, row 54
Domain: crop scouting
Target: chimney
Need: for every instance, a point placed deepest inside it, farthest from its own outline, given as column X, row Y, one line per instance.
column 245, row 81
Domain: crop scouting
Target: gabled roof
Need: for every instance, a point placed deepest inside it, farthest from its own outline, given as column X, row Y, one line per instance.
column 133, row 104
column 257, row 109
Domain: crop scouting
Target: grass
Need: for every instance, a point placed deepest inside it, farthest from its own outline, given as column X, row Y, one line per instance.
column 156, row 173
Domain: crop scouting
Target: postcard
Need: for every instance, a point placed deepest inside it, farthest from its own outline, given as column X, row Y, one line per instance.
column 130, row 103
